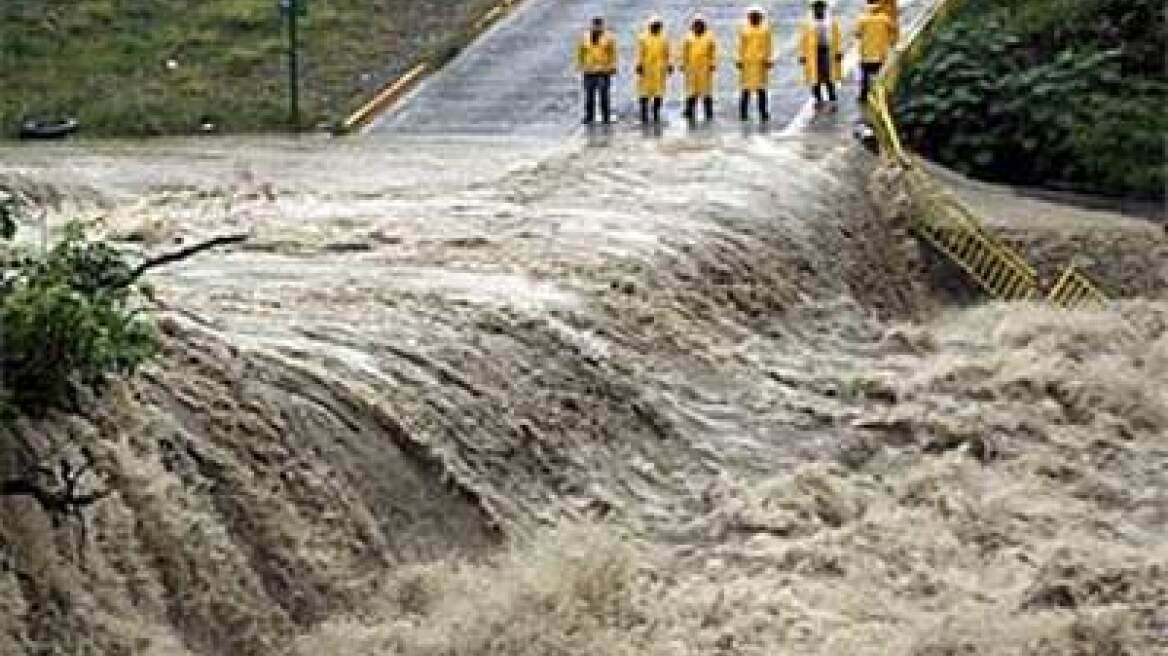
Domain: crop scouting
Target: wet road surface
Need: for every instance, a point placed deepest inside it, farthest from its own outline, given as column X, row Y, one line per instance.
column 520, row 77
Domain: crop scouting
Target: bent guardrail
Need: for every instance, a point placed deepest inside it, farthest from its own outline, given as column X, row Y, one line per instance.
column 939, row 217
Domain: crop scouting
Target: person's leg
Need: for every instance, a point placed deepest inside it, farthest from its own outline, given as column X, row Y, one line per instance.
column 823, row 69
column 817, row 93
column 763, row 111
column 868, row 70
column 744, row 106
column 606, row 98
column 589, row 97
column 830, row 90
column 644, row 109
column 691, row 103
column 657, row 109
column 709, row 104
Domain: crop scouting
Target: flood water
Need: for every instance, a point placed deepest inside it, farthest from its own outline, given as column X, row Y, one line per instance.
column 696, row 381
column 491, row 388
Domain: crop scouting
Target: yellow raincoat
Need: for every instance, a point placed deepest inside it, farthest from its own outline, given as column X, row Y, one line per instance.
column 653, row 62
column 699, row 55
column 599, row 57
column 755, row 56
column 875, row 33
column 891, row 9
column 809, row 45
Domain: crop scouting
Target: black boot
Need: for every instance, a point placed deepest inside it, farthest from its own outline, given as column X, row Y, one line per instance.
column 691, row 104
column 644, row 110
column 763, row 111
column 744, row 106
column 709, row 105
column 657, row 110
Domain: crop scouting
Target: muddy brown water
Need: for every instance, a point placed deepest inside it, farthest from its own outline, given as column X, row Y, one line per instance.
column 713, row 354
column 502, row 395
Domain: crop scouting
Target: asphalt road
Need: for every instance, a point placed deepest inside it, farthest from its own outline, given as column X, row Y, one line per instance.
column 520, row 78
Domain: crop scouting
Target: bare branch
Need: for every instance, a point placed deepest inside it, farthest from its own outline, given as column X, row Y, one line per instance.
column 182, row 254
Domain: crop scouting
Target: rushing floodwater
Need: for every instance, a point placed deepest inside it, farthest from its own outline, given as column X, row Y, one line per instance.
column 711, row 352
column 503, row 395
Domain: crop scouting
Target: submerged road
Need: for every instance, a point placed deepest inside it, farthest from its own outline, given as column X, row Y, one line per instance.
column 520, row 77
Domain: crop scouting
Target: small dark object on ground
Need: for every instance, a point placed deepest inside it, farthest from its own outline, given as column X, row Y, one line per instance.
column 866, row 136
column 33, row 129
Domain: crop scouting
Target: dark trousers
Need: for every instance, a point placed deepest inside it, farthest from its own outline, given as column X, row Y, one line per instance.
column 823, row 67
column 868, row 71
column 817, row 90
column 656, row 105
column 691, row 104
column 744, row 105
column 597, row 85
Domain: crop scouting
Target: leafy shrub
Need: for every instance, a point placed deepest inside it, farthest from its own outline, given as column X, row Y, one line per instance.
column 68, row 318
column 1122, row 149
column 1135, row 27
column 1052, row 92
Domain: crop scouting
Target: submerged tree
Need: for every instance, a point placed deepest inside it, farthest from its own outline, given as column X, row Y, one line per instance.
column 71, row 317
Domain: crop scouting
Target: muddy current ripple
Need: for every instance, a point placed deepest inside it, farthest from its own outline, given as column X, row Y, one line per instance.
column 685, row 396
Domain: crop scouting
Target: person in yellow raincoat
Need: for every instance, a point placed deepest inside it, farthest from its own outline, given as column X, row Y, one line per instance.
column 653, row 68
column 875, row 33
column 821, row 53
column 891, row 9
column 596, row 59
column 755, row 59
column 699, row 56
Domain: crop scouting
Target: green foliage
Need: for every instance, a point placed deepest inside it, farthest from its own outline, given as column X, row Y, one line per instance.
column 1123, row 148
column 1042, row 92
column 1135, row 27
column 105, row 61
column 67, row 319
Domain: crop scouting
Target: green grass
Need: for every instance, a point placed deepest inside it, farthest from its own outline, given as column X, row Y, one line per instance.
column 104, row 61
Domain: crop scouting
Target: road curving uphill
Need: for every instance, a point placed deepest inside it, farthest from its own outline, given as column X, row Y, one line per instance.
column 520, row 78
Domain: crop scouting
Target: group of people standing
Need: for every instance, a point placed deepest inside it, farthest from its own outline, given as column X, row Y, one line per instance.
column 820, row 54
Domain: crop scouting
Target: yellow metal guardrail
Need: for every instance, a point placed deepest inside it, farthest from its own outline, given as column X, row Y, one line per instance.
column 997, row 268
column 941, row 219
column 1074, row 290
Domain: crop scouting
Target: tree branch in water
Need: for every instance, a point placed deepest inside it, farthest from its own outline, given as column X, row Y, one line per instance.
column 182, row 254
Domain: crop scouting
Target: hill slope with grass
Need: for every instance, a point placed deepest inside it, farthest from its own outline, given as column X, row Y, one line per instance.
column 105, row 61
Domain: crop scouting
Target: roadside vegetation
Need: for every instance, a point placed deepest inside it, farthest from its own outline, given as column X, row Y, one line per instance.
column 69, row 317
column 106, row 61
column 1061, row 93
column 73, row 312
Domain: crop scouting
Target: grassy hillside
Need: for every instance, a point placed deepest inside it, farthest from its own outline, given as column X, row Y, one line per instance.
column 104, row 61
column 1063, row 93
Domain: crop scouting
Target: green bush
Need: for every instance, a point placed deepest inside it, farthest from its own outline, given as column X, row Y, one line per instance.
column 1047, row 92
column 1122, row 150
column 68, row 318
